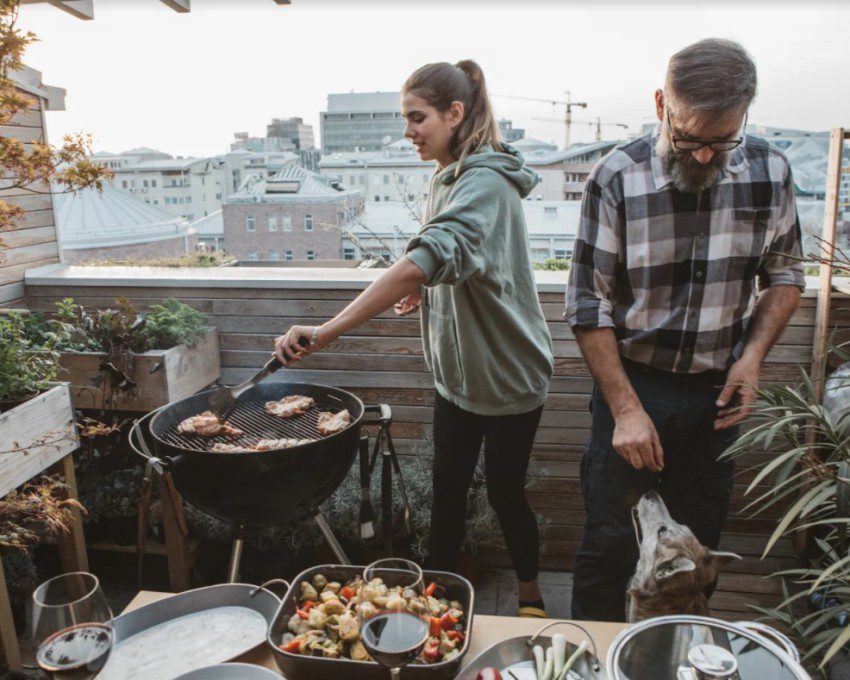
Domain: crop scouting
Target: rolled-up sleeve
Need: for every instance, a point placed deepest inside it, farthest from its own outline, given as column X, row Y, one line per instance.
column 777, row 268
column 448, row 248
column 593, row 271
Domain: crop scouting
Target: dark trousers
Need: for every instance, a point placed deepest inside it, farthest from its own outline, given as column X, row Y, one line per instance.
column 695, row 486
column 507, row 448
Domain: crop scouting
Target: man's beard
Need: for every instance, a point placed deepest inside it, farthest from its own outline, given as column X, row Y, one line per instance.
column 685, row 172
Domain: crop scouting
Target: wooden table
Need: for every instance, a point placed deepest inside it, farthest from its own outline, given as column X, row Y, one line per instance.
column 486, row 630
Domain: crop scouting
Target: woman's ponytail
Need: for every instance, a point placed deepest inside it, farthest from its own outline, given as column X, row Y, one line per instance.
column 441, row 84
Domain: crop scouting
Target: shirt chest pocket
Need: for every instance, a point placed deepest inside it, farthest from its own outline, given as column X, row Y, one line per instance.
column 749, row 241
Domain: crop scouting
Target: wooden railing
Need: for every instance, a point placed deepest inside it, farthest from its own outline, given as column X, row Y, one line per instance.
column 382, row 362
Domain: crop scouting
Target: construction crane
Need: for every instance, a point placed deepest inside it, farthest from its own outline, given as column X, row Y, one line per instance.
column 593, row 122
column 568, row 109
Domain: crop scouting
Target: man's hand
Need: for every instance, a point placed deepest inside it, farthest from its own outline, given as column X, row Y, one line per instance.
column 636, row 440
column 408, row 304
column 738, row 393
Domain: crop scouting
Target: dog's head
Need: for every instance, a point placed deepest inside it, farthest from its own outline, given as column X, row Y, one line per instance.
column 673, row 565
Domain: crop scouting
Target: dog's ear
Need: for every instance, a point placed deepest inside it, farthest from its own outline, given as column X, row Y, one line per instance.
column 677, row 565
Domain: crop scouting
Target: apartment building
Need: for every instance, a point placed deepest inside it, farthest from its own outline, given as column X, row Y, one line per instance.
column 361, row 121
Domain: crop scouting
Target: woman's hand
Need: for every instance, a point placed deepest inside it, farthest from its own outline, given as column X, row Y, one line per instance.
column 297, row 342
column 408, row 304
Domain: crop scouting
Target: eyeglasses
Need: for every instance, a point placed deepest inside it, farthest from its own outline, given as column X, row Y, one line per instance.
column 681, row 144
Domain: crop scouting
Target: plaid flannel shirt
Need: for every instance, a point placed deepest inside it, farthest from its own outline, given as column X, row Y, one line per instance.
column 673, row 273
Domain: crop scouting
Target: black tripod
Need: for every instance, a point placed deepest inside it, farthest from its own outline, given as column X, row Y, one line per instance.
column 384, row 449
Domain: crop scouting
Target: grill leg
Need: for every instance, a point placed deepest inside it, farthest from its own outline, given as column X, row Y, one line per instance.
column 341, row 557
column 236, row 555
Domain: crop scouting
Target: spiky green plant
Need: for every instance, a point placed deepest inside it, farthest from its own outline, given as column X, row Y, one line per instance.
column 809, row 456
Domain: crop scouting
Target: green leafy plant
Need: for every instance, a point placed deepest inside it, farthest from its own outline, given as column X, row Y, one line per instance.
column 552, row 265
column 25, row 370
column 806, row 471
column 172, row 323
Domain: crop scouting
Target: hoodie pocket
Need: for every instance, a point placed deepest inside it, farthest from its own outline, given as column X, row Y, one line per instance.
column 445, row 357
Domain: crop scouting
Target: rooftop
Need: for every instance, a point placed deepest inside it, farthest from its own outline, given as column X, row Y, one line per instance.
column 293, row 181
column 94, row 219
column 354, row 102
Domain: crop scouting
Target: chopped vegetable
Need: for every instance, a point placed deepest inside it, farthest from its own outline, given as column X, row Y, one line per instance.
column 431, row 653
column 434, row 626
column 293, row 647
column 346, row 592
column 447, row 621
column 539, row 660
column 559, row 647
column 489, row 673
column 576, row 655
column 549, row 668
column 431, row 589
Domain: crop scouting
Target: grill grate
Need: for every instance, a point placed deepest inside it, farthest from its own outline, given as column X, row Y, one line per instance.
column 251, row 417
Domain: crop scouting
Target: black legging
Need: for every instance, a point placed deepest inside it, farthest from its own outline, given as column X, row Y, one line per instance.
column 507, row 449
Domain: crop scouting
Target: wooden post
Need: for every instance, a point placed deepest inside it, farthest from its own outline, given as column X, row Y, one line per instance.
column 824, row 302
column 10, row 654
column 72, row 545
column 176, row 541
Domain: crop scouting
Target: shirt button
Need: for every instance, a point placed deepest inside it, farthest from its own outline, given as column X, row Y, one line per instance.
column 699, row 275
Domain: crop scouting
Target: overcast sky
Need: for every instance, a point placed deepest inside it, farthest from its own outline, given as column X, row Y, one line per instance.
column 142, row 74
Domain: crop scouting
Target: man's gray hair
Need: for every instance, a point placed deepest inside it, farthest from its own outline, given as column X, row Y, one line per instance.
column 712, row 75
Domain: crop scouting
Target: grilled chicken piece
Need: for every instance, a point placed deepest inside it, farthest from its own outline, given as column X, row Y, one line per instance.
column 329, row 423
column 291, row 406
column 220, row 447
column 271, row 444
column 207, row 424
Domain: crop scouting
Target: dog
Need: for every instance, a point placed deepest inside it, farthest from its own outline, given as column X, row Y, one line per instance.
column 674, row 569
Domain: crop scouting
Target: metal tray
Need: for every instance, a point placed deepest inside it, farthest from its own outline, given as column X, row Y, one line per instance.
column 298, row 667
column 513, row 657
column 193, row 629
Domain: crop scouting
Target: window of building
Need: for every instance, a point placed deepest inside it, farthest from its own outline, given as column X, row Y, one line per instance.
column 550, row 210
column 377, row 199
column 218, row 197
column 539, row 254
column 272, row 222
column 167, row 201
column 386, row 179
column 153, row 183
column 561, row 253
column 124, row 184
column 349, row 253
column 252, row 255
column 133, row 183
column 308, row 222
column 147, row 201
column 145, row 183
column 274, row 255
column 249, row 222
column 155, row 202
column 190, row 216
column 287, row 223
column 287, row 255
column 311, row 255
column 386, row 198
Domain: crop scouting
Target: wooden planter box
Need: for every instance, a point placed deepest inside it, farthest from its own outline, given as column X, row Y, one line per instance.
column 34, row 435
column 161, row 376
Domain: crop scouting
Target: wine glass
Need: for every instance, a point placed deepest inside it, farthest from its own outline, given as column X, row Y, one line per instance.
column 394, row 637
column 72, row 626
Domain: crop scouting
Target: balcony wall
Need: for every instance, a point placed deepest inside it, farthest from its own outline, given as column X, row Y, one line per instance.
column 382, row 362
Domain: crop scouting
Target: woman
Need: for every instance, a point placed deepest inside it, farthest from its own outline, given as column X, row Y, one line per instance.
column 485, row 337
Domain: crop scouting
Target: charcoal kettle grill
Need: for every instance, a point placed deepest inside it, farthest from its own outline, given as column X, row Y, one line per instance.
column 261, row 488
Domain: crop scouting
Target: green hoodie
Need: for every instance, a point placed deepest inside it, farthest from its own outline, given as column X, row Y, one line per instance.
column 485, row 337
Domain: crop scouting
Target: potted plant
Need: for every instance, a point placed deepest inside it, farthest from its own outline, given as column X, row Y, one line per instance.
column 119, row 359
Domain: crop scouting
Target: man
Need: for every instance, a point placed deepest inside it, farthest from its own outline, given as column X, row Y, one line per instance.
column 675, row 229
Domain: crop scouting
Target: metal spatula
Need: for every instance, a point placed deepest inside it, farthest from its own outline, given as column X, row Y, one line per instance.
column 225, row 396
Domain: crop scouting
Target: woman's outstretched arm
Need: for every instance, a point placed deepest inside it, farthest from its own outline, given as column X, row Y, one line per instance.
column 403, row 278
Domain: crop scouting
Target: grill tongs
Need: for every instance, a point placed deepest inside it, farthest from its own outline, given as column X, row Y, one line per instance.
column 224, row 398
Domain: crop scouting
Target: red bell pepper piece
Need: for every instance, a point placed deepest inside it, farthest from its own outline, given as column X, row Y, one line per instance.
column 346, row 592
column 431, row 589
column 293, row 647
column 302, row 614
column 454, row 635
column 307, row 605
column 447, row 621
column 431, row 653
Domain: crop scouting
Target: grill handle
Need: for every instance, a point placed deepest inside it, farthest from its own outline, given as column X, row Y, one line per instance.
column 385, row 414
column 140, row 446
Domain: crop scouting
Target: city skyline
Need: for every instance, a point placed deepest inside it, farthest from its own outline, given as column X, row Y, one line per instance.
column 141, row 75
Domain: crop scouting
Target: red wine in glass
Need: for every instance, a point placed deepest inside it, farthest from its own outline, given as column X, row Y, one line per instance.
column 76, row 653
column 394, row 638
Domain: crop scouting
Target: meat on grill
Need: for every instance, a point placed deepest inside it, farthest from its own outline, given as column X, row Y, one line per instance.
column 271, row 444
column 223, row 447
column 207, row 424
column 262, row 445
column 290, row 406
column 330, row 423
